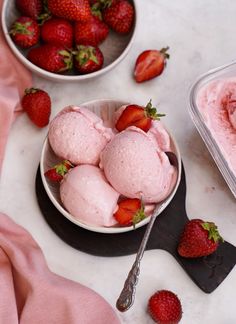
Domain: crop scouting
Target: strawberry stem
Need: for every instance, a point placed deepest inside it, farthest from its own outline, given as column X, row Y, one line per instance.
column 96, row 10
column 31, row 90
column 63, row 168
column 164, row 52
column 139, row 215
column 85, row 53
column 213, row 231
column 151, row 111
column 67, row 58
column 21, row 28
column 105, row 3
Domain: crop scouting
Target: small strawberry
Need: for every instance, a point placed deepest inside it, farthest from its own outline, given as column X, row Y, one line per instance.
column 150, row 64
column 57, row 31
column 198, row 239
column 37, row 105
column 70, row 9
column 165, row 307
column 57, row 173
column 141, row 117
column 25, row 32
column 53, row 58
column 92, row 32
column 30, row 8
column 88, row 59
column 130, row 212
column 118, row 15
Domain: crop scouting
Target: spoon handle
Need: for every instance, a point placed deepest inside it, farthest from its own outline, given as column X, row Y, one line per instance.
column 127, row 295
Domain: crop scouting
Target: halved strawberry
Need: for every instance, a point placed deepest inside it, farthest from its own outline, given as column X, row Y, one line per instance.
column 150, row 64
column 130, row 212
column 138, row 116
column 57, row 173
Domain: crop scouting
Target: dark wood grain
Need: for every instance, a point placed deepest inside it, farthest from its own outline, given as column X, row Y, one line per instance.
column 206, row 272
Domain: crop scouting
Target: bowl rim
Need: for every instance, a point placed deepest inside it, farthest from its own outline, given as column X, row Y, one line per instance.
column 61, row 77
column 106, row 230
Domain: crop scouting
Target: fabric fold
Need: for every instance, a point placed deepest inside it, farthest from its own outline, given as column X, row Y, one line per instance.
column 31, row 293
column 14, row 78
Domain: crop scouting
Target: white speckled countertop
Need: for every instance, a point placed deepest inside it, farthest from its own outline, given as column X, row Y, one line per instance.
column 200, row 36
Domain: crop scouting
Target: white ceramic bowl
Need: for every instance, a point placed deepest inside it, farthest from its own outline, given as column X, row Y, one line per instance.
column 105, row 109
column 114, row 48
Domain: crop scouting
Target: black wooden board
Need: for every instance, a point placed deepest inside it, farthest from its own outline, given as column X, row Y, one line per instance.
column 207, row 272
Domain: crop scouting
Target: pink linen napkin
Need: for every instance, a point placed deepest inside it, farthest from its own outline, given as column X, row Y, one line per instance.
column 31, row 294
column 14, row 78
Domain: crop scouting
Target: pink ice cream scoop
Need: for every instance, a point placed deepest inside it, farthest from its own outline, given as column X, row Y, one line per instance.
column 157, row 132
column 136, row 168
column 88, row 196
column 217, row 103
column 78, row 135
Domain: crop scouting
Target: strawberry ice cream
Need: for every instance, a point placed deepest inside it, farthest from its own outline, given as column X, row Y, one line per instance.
column 78, row 135
column 157, row 132
column 88, row 197
column 217, row 104
column 137, row 168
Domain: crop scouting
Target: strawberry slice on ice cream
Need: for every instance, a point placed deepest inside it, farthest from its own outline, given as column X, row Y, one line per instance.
column 130, row 212
column 141, row 117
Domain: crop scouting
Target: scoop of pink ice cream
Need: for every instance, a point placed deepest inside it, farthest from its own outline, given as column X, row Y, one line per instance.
column 216, row 102
column 88, row 196
column 135, row 168
column 78, row 135
column 157, row 132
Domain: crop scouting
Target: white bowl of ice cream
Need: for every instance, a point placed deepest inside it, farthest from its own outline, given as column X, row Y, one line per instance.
column 109, row 165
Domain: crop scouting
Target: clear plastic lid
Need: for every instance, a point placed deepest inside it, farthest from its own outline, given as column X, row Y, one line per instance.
column 223, row 72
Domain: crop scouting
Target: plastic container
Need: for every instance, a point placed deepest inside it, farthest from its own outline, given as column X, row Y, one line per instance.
column 223, row 72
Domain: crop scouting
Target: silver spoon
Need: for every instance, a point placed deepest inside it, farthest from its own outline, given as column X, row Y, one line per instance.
column 127, row 295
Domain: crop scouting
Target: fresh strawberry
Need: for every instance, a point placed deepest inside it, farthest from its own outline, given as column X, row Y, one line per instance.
column 30, row 8
column 130, row 212
column 118, row 15
column 37, row 105
column 25, row 32
column 57, row 31
column 150, row 64
column 141, row 117
column 92, row 32
column 88, row 59
column 70, row 9
column 198, row 239
column 53, row 58
column 57, row 173
column 165, row 307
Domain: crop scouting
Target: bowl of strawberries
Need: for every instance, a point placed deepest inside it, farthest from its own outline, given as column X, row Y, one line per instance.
column 69, row 40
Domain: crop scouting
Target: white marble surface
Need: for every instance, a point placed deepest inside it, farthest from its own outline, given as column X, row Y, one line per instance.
column 201, row 36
